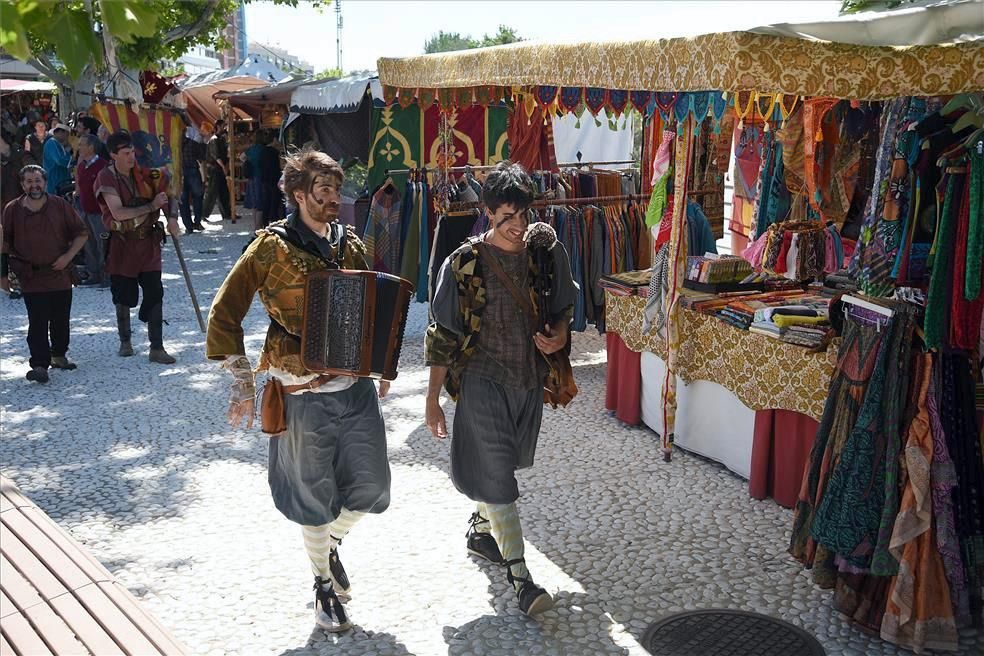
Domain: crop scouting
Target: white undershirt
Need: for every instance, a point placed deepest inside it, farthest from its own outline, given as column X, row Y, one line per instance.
column 339, row 384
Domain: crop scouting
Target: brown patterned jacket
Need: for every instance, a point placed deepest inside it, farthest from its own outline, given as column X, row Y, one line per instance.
column 277, row 270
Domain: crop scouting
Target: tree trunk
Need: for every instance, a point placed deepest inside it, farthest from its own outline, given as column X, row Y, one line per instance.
column 120, row 84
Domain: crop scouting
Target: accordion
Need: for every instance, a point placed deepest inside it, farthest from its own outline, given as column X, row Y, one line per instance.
column 353, row 323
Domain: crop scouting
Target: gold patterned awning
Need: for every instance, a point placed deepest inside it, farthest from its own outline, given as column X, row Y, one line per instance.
column 730, row 61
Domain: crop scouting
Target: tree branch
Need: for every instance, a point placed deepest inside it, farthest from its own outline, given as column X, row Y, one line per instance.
column 40, row 61
column 184, row 31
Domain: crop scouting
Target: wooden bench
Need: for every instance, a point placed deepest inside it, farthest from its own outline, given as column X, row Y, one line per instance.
column 55, row 598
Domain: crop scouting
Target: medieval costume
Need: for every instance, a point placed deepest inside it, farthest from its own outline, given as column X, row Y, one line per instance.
column 329, row 468
column 134, row 258
column 497, row 376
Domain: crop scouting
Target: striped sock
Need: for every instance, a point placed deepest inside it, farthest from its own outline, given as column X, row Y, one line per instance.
column 509, row 534
column 317, row 541
column 342, row 524
column 483, row 511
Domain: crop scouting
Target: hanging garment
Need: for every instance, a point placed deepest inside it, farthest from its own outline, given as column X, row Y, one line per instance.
column 451, row 232
column 918, row 614
column 943, row 479
column 863, row 351
column 382, row 235
column 426, row 230
column 531, row 140
column 863, row 487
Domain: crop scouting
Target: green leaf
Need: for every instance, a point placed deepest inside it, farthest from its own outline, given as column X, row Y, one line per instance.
column 128, row 19
column 76, row 44
column 13, row 38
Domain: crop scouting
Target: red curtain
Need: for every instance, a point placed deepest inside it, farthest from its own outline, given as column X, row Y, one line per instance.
column 780, row 452
column 623, row 382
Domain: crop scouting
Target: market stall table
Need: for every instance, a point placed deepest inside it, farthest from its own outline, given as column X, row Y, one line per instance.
column 766, row 395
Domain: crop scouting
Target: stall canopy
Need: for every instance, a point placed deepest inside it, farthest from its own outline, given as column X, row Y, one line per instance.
column 341, row 96
column 930, row 22
column 257, row 99
column 16, row 86
column 201, row 102
column 729, row 61
column 338, row 114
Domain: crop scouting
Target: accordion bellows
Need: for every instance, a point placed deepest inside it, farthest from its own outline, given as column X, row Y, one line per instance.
column 353, row 323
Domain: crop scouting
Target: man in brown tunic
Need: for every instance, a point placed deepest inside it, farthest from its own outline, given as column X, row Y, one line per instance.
column 131, row 198
column 41, row 236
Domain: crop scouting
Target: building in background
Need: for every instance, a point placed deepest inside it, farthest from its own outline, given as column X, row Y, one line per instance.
column 199, row 60
column 202, row 59
column 279, row 58
column 235, row 36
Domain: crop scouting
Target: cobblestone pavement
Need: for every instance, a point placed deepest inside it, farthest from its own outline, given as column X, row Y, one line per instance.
column 136, row 461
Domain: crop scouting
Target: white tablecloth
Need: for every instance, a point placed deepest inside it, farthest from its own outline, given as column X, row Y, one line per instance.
column 710, row 420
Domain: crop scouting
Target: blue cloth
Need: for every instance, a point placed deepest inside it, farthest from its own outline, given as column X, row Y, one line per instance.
column 424, row 246
column 700, row 237
column 56, row 159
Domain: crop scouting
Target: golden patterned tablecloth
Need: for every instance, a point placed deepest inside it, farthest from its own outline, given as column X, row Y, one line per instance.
column 764, row 373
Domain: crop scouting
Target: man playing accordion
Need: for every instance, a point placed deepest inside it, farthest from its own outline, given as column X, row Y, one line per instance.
column 329, row 467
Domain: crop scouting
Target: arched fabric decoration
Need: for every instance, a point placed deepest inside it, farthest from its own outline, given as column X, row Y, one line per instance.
column 618, row 100
column 389, row 95
column 545, row 96
column 463, row 97
column 676, row 273
column 595, row 99
column 699, row 102
column 406, row 97
column 570, row 97
column 445, row 98
column 665, row 101
column 425, row 98
column 682, row 107
column 765, row 105
column 483, row 96
column 719, row 104
column 640, row 99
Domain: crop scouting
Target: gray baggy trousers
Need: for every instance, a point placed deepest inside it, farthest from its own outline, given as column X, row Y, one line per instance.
column 332, row 455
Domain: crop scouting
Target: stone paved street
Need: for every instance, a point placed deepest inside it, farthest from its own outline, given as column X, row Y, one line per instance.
column 136, row 461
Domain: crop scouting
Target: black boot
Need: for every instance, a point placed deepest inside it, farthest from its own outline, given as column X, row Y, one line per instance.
column 155, row 331
column 123, row 326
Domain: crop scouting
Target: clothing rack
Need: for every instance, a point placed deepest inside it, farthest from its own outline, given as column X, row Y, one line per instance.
column 489, row 167
column 465, row 207
column 575, row 164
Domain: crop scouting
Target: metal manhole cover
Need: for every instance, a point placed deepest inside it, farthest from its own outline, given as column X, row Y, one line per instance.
column 723, row 632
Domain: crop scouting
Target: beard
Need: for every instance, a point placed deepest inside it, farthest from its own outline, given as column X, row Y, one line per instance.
column 35, row 194
column 321, row 213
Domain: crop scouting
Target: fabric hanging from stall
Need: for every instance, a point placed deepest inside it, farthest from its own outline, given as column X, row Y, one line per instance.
column 531, row 139
column 891, row 511
column 382, row 236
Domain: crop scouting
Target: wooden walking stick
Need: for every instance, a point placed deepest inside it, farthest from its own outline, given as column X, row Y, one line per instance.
column 187, row 277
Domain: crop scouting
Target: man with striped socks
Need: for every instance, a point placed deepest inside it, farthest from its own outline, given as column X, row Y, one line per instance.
column 329, row 468
column 486, row 351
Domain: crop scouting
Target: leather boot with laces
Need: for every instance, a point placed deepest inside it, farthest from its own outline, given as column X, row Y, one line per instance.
column 482, row 543
column 339, row 579
column 329, row 613
column 533, row 599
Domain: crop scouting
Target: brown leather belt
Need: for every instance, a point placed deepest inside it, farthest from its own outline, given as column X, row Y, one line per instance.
column 312, row 384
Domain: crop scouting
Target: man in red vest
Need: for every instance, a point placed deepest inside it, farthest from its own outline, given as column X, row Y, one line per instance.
column 131, row 198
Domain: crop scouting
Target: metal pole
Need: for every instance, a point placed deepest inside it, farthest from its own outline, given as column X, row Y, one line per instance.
column 338, row 35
